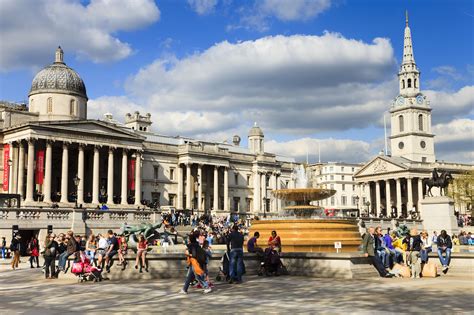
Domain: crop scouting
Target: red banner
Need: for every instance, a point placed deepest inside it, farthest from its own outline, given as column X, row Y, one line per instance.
column 39, row 167
column 131, row 174
column 6, row 168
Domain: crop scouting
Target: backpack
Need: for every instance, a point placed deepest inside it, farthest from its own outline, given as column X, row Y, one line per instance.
column 200, row 255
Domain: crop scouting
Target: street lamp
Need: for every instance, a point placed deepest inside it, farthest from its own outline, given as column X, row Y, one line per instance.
column 264, row 207
column 76, row 181
column 357, row 204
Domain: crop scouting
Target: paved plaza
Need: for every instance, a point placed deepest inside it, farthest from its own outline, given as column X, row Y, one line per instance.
column 25, row 291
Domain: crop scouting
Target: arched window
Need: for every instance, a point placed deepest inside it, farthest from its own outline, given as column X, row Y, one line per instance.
column 400, row 123
column 49, row 105
column 403, row 84
column 420, row 122
column 414, row 82
column 409, row 83
column 72, row 107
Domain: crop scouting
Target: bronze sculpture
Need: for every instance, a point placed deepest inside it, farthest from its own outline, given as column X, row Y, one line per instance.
column 442, row 181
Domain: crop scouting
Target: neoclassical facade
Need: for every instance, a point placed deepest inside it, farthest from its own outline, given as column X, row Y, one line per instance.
column 53, row 154
column 396, row 180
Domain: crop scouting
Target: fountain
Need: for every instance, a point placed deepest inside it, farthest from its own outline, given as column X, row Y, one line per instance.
column 304, row 227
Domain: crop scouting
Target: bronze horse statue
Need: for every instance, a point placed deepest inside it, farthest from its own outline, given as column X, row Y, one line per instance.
column 442, row 181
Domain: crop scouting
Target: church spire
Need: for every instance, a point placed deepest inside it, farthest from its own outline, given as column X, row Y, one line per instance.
column 407, row 44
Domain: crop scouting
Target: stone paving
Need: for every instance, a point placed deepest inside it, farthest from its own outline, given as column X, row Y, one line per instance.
column 26, row 291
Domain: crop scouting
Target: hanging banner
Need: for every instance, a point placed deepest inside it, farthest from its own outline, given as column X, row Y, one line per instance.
column 6, row 167
column 131, row 174
column 39, row 167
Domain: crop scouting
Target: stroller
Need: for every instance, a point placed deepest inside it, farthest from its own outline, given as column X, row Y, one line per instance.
column 85, row 271
column 271, row 264
column 224, row 269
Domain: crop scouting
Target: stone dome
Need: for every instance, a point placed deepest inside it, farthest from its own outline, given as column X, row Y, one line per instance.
column 58, row 77
column 255, row 131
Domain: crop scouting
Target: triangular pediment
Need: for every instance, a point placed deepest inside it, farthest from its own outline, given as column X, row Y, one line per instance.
column 381, row 165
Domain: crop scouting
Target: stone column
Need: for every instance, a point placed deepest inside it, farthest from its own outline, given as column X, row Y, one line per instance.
column 199, row 197
column 274, row 200
column 420, row 194
column 138, row 179
column 80, row 175
column 30, row 171
column 180, row 187
column 278, row 186
column 410, row 195
column 124, row 190
column 110, row 177
column 388, row 203
column 188, row 186
column 377, row 198
column 256, row 192
column 226, row 189
column 263, row 186
column 216, row 188
column 399, row 196
column 95, row 176
column 64, row 173
column 48, row 166
column 21, row 168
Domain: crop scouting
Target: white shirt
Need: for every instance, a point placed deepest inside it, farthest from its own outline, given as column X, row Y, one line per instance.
column 103, row 243
column 426, row 242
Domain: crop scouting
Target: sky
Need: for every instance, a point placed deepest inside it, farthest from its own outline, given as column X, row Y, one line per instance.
column 315, row 75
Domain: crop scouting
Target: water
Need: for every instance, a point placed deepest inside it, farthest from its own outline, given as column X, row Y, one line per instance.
column 301, row 177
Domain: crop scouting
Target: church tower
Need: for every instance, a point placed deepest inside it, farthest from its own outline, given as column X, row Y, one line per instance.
column 411, row 135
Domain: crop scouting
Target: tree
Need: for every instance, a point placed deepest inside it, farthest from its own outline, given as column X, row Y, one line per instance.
column 462, row 191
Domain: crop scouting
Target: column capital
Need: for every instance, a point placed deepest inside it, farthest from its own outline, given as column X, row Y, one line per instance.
column 81, row 145
column 31, row 140
column 112, row 149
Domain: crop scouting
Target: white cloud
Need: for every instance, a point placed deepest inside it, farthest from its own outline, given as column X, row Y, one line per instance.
column 297, row 84
column 31, row 30
column 203, row 7
column 454, row 140
column 449, row 105
column 331, row 149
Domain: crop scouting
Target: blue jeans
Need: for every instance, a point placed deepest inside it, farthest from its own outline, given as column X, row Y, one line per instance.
column 424, row 254
column 189, row 278
column 236, row 264
column 444, row 259
column 62, row 260
column 4, row 252
column 383, row 257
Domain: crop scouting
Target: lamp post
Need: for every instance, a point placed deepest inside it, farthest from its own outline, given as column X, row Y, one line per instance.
column 10, row 162
column 264, row 207
column 76, row 181
column 357, row 204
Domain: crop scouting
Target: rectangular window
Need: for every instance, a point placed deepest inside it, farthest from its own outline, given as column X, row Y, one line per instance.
column 332, row 186
column 332, row 177
column 248, row 180
column 156, row 172
column 343, row 187
column 172, row 200
column 287, row 184
column 236, row 178
column 353, row 170
column 331, row 169
column 342, row 169
column 267, row 181
column 423, row 159
column 333, row 200
column 171, row 173
column 353, row 187
column 364, row 200
column 344, row 200
column 342, row 177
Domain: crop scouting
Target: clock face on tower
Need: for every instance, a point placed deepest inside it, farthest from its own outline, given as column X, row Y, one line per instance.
column 400, row 100
column 401, row 145
column 420, row 99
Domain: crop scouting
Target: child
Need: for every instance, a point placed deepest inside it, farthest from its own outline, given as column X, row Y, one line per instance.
column 208, row 250
column 123, row 247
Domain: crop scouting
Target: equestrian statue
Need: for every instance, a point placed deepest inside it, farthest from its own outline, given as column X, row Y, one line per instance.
column 442, row 181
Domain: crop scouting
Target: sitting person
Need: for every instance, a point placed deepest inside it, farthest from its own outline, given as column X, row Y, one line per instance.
column 444, row 247
column 71, row 248
column 425, row 247
column 274, row 242
column 252, row 246
column 112, row 250
column 414, row 248
column 91, row 247
column 399, row 247
column 142, row 247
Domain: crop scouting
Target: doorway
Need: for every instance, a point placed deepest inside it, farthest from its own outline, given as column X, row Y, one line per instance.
column 26, row 236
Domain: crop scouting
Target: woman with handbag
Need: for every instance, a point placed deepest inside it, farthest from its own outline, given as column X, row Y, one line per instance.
column 50, row 252
column 33, row 248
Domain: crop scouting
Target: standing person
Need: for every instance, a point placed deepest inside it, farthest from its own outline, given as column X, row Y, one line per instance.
column 275, row 242
column 142, row 248
column 112, row 249
column 236, row 243
column 71, row 248
column 34, row 251
column 50, row 252
column 3, row 247
column 368, row 248
column 195, row 258
column 444, row 247
column 414, row 248
column 15, row 250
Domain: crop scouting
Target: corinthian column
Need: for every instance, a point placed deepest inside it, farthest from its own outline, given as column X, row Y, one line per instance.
column 110, row 177
column 123, row 198
column 80, row 174
column 95, row 176
column 180, row 187
column 199, row 174
column 21, row 168
column 388, row 204
column 30, row 171
column 226, row 189
column 377, row 198
column 138, row 179
column 188, row 186
column 64, row 173
column 47, row 177
column 216, row 188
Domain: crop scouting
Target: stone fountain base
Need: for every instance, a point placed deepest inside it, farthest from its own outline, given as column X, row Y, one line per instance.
column 310, row 235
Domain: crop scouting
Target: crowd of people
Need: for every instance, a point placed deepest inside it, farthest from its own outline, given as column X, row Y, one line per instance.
column 387, row 250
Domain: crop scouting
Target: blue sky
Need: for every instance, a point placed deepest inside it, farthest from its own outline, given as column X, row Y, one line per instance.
column 185, row 62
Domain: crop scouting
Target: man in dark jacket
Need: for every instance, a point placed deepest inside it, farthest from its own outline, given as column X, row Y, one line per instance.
column 413, row 248
column 15, row 251
column 236, row 263
column 70, row 249
column 444, row 246
column 368, row 248
column 50, row 252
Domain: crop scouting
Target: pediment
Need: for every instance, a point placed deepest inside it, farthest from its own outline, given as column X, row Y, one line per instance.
column 380, row 165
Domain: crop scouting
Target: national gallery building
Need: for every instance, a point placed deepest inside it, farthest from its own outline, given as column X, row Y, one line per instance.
column 52, row 154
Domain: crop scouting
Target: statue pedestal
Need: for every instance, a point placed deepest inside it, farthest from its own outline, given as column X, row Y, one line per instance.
column 438, row 214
